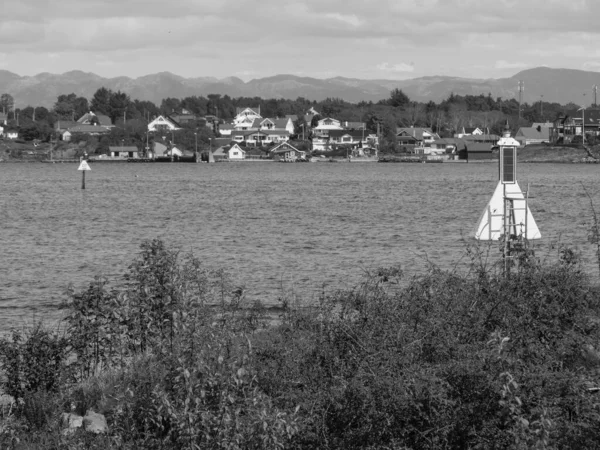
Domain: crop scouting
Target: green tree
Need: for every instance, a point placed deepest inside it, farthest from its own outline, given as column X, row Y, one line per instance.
column 7, row 102
column 100, row 103
column 398, row 99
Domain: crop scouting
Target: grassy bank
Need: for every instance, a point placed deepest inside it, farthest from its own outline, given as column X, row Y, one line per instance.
column 177, row 359
column 548, row 153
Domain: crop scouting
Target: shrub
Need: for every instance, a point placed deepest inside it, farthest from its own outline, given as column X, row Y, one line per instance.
column 34, row 360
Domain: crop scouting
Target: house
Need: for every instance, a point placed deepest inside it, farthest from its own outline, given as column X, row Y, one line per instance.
column 160, row 149
column 273, row 124
column 266, row 137
column 287, row 152
column 92, row 130
column 3, row 122
column 482, row 138
column 327, row 124
column 174, row 151
column 95, row 119
column 533, row 135
column 352, row 139
column 573, row 123
column 421, row 137
column 478, row 151
column 225, row 129
column 471, row 131
column 183, row 118
column 236, row 153
column 63, row 125
column 247, row 115
column 220, row 153
column 10, row 133
column 162, row 123
column 124, row 152
column 452, row 146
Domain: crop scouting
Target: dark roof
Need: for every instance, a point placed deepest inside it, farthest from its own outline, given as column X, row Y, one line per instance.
column 416, row 132
column 481, row 137
column 479, row 147
column 533, row 133
column 64, row 124
column 102, row 119
column 88, row 129
column 283, row 147
column 127, row 148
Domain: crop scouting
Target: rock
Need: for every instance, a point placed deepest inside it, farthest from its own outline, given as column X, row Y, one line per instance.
column 70, row 422
column 94, row 422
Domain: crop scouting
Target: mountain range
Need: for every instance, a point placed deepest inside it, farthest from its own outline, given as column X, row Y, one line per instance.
column 550, row 84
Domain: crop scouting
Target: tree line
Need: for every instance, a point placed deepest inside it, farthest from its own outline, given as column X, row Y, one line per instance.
column 398, row 110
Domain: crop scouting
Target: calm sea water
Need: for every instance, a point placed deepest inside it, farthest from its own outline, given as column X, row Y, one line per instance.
column 293, row 228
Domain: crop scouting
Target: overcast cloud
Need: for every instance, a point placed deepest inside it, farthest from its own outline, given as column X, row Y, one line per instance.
column 392, row 39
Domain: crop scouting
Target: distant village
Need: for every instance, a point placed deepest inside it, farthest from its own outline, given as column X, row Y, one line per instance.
column 314, row 135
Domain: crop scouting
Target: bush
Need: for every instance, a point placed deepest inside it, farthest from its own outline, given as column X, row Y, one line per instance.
column 176, row 359
column 34, row 360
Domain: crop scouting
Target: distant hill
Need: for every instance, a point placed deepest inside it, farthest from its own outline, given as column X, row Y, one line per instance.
column 556, row 85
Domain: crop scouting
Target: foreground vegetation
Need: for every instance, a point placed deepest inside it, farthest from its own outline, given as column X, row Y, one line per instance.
column 176, row 359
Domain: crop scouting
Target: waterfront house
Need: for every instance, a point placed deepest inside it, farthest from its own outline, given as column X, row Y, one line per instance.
column 572, row 124
column 236, row 153
column 533, row 135
column 478, row 151
column 416, row 139
column 287, row 152
column 123, row 152
column 162, row 123
column 257, row 138
column 352, row 139
column 320, row 133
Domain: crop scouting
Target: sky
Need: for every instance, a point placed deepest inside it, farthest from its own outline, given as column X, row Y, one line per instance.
column 366, row 39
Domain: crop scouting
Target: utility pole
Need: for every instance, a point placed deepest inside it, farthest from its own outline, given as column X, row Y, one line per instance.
column 595, row 88
column 521, row 89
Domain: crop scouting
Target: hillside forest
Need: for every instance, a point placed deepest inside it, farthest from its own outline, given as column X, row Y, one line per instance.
column 131, row 116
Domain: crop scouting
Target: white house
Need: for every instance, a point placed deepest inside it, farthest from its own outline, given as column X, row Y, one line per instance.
column 247, row 115
column 273, row 124
column 236, row 153
column 163, row 124
column 471, row 131
column 328, row 124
